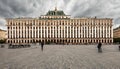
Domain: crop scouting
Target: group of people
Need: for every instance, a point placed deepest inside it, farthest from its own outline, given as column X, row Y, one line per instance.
column 2, row 46
column 18, row 46
column 99, row 46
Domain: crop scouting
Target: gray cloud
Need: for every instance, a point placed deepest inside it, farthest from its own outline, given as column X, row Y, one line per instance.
column 75, row 8
column 3, row 24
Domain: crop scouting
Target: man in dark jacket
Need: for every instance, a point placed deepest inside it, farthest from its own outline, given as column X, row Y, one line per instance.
column 119, row 48
column 99, row 47
column 42, row 44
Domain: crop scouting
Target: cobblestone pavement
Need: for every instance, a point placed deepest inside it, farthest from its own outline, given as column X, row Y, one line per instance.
column 61, row 57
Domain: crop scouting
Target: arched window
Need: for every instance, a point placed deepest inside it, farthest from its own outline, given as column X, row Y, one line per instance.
column 14, row 41
column 80, row 41
column 8, row 41
column 11, row 23
column 108, row 41
column 18, row 23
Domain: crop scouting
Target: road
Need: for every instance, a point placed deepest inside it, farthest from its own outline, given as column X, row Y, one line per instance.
column 61, row 57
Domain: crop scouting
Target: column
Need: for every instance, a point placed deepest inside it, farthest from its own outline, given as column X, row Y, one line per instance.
column 15, row 32
column 18, row 32
column 32, row 31
column 56, row 31
column 100, row 32
column 44, row 32
column 35, row 32
column 87, row 31
column 111, row 32
column 12, row 32
column 61, row 31
column 76, row 32
column 29, row 32
column 92, row 32
column 9, row 32
column 81, row 32
column 38, row 32
column 73, row 32
column 67, row 31
column 106, row 32
column 41, row 31
column 103, row 31
column 53, row 32
column 70, row 31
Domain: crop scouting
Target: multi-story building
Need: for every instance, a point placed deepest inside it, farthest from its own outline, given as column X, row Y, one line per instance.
column 3, row 34
column 116, row 32
column 56, row 27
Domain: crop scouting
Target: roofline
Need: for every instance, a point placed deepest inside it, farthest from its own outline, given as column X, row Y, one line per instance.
column 2, row 30
column 55, row 15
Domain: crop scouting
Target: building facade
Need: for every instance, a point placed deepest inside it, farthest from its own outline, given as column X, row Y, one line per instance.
column 56, row 27
column 3, row 34
column 116, row 32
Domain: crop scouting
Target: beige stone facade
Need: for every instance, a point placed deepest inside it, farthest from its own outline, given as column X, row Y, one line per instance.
column 3, row 34
column 56, row 27
column 116, row 33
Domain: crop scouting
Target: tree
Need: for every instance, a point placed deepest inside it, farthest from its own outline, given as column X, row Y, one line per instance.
column 3, row 41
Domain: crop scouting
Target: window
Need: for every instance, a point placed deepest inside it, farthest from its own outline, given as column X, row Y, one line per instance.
column 11, row 23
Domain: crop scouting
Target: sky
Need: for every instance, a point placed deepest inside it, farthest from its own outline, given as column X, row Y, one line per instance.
column 75, row 8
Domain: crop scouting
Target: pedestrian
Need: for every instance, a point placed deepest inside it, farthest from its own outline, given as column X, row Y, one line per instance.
column 42, row 44
column 2, row 46
column 119, row 48
column 99, row 47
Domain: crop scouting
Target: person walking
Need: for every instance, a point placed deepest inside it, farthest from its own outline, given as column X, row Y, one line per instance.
column 119, row 48
column 42, row 44
column 99, row 47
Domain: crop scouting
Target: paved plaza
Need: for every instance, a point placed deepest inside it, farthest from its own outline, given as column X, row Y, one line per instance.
column 61, row 57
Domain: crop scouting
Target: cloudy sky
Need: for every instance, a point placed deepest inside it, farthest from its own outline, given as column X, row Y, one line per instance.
column 75, row 8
